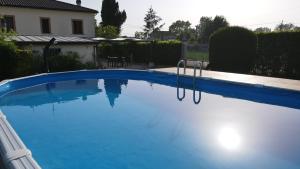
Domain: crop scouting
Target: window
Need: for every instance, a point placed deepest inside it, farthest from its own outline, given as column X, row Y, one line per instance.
column 45, row 25
column 77, row 26
column 8, row 23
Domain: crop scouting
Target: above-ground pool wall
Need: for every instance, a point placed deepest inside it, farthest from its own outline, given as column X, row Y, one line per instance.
column 13, row 152
column 86, row 52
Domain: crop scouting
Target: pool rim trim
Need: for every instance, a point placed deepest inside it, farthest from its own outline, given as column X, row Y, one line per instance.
column 259, row 85
column 13, row 151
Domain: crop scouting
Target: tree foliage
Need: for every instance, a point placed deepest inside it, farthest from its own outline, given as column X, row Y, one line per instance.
column 286, row 27
column 208, row 25
column 4, row 34
column 7, row 55
column 152, row 21
column 263, row 30
column 109, row 32
column 139, row 35
column 111, row 15
column 297, row 29
column 182, row 30
column 282, row 27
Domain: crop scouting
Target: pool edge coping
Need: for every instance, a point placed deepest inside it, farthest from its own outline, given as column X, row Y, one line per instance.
column 261, row 85
column 166, row 72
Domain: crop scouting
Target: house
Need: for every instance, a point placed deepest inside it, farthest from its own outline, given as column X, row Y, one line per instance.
column 162, row 35
column 38, row 21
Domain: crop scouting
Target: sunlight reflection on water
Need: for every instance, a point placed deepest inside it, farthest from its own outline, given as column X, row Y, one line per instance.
column 229, row 138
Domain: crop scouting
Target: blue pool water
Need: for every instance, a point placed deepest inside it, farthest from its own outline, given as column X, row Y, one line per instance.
column 128, row 123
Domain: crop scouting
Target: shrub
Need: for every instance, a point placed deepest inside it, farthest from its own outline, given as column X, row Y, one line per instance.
column 28, row 63
column 278, row 54
column 109, row 32
column 7, row 59
column 142, row 52
column 65, row 62
column 104, row 49
column 37, row 63
column 24, row 63
column 90, row 65
column 159, row 52
column 167, row 52
column 232, row 49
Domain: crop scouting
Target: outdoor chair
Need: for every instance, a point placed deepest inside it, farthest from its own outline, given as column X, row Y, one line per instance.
column 112, row 61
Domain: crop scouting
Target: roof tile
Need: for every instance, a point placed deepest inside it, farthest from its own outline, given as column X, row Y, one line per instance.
column 46, row 4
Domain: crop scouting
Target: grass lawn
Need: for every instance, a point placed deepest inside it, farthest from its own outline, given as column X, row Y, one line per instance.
column 196, row 55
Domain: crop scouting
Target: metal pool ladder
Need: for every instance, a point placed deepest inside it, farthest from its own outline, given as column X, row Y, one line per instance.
column 178, row 66
column 184, row 72
column 197, row 65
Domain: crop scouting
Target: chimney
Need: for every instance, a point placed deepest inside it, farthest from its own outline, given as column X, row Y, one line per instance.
column 78, row 2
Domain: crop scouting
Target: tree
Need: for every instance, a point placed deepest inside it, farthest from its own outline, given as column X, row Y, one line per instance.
column 109, row 32
column 297, row 29
column 152, row 23
column 207, row 26
column 139, row 35
column 182, row 29
column 8, row 52
column 262, row 30
column 4, row 33
column 219, row 22
column 111, row 15
column 284, row 27
column 203, row 29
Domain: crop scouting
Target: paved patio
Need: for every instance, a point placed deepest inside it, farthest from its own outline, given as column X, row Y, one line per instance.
column 251, row 79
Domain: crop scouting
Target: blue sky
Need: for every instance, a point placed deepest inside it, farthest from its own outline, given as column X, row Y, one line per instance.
column 251, row 14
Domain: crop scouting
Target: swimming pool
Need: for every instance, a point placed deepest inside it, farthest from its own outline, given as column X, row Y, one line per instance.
column 123, row 119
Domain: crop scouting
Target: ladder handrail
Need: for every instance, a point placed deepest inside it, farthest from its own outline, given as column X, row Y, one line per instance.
column 183, row 96
column 194, row 97
column 196, row 66
column 184, row 72
column 195, row 71
column 178, row 64
column 200, row 68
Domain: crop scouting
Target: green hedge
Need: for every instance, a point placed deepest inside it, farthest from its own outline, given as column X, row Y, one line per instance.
column 167, row 52
column 141, row 52
column 278, row 54
column 28, row 63
column 65, row 62
column 159, row 52
column 232, row 49
column 8, row 59
column 15, row 62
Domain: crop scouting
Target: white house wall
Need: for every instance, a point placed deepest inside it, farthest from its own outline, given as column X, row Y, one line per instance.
column 85, row 51
column 27, row 21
